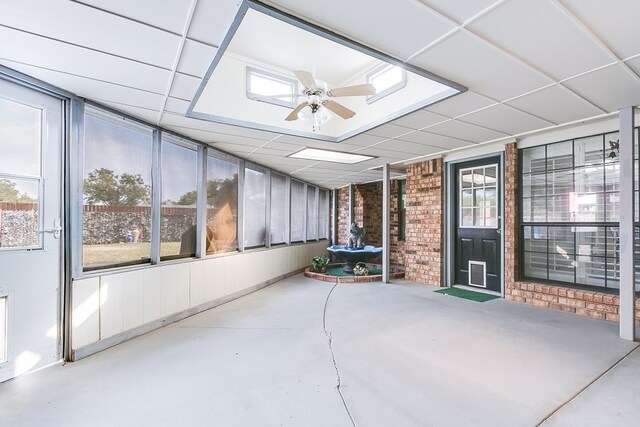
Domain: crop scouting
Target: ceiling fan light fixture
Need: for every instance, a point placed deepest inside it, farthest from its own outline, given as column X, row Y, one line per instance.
column 305, row 114
column 323, row 114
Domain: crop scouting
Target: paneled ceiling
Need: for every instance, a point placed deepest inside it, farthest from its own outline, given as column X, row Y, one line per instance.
column 528, row 64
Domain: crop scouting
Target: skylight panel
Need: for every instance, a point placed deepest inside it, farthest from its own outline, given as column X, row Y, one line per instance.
column 265, row 84
column 386, row 79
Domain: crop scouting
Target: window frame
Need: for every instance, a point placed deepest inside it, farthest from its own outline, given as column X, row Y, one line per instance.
column 267, row 196
column 379, row 70
column 251, row 71
column 204, row 152
column 117, row 118
column 170, row 138
column 606, row 225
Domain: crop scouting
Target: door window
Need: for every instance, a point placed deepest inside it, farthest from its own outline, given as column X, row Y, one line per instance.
column 20, row 175
column 479, row 197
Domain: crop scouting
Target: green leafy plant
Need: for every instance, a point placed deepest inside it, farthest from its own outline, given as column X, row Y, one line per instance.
column 361, row 269
column 319, row 263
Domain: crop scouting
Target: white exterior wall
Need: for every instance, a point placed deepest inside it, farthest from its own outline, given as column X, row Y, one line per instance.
column 117, row 306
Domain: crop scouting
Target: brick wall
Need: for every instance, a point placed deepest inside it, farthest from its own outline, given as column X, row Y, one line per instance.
column 396, row 250
column 343, row 215
column 598, row 305
column 423, row 257
column 368, row 211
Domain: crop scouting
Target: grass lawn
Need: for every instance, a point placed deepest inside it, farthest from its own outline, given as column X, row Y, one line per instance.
column 124, row 252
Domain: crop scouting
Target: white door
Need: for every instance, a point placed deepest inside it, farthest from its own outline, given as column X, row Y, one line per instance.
column 30, row 236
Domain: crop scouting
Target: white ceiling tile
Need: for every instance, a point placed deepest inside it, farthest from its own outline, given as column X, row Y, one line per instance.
column 363, row 140
column 556, row 104
column 516, row 26
column 212, row 19
column 382, row 153
column 389, row 131
column 148, row 116
column 506, row 119
column 465, row 131
column 178, row 106
column 460, row 104
column 610, row 88
column 184, row 87
column 78, row 24
column 481, row 67
column 195, row 58
column 634, row 64
column 614, row 22
column 179, row 120
column 33, row 50
column 400, row 30
column 433, row 140
column 405, row 148
column 445, row 142
column 232, row 148
column 91, row 89
column 419, row 119
column 172, row 16
column 459, row 10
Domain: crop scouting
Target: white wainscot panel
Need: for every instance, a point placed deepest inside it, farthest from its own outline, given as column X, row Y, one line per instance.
column 111, row 305
column 168, row 289
column 85, row 318
column 183, row 286
column 197, row 283
column 133, row 294
column 152, row 293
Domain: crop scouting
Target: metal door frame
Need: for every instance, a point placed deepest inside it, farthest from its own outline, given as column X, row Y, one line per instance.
column 449, row 223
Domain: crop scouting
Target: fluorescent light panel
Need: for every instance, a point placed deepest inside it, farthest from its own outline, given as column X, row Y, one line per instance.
column 330, row 156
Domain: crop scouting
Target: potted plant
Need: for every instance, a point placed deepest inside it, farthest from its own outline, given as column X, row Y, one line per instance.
column 319, row 264
column 361, row 269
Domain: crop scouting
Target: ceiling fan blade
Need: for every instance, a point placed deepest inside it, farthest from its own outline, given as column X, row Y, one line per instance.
column 357, row 90
column 306, row 78
column 273, row 97
column 340, row 110
column 294, row 114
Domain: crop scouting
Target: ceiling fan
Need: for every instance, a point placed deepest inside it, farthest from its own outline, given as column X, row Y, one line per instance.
column 316, row 106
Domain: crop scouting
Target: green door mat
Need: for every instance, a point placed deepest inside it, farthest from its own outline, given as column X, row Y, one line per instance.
column 463, row 293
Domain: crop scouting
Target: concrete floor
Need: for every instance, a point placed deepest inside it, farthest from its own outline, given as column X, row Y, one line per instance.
column 402, row 354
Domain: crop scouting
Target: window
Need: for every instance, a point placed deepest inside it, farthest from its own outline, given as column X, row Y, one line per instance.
column 116, row 191
column 178, row 214
column 262, row 83
column 478, row 197
column 323, row 214
column 3, row 329
column 222, row 204
column 402, row 208
column 386, row 79
column 312, row 213
column 255, row 191
column 20, row 137
column 298, row 205
column 278, row 209
column 570, row 212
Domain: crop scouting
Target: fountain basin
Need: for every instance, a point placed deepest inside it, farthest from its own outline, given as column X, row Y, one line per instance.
column 352, row 256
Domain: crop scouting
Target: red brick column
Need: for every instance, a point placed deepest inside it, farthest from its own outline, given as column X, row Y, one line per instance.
column 511, row 213
column 397, row 246
column 423, row 257
column 368, row 211
column 343, row 215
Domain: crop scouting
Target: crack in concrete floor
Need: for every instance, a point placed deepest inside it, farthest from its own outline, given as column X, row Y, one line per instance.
column 333, row 356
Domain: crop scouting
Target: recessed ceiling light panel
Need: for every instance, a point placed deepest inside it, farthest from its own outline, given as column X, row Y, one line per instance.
column 330, row 156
